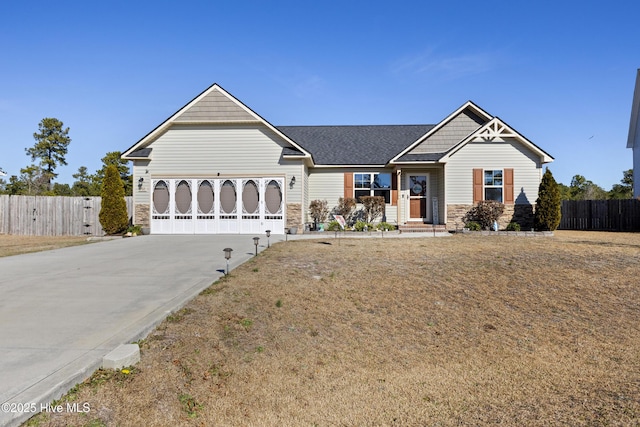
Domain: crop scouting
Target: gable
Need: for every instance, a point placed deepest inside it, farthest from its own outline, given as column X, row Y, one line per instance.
column 497, row 131
column 446, row 137
column 215, row 107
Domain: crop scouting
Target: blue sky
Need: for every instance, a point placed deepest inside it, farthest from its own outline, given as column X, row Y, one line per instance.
column 561, row 73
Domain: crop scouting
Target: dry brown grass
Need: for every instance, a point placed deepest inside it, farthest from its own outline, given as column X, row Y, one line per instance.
column 459, row 331
column 15, row 245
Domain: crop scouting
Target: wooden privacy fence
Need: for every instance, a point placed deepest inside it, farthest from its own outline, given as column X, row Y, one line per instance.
column 602, row 215
column 52, row 215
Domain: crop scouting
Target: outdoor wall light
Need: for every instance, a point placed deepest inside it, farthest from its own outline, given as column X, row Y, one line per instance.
column 268, row 234
column 255, row 242
column 227, row 256
column 293, row 181
column 140, row 181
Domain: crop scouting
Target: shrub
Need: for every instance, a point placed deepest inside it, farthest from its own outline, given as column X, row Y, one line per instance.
column 113, row 213
column 548, row 205
column 334, row 226
column 373, row 207
column 361, row 225
column 485, row 213
column 386, row 226
column 318, row 211
column 473, row 226
column 345, row 207
column 513, row 226
column 134, row 229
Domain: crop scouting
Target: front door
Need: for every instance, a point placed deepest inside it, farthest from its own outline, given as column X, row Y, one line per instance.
column 417, row 185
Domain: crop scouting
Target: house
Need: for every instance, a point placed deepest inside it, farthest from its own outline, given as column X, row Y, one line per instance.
column 633, row 141
column 216, row 166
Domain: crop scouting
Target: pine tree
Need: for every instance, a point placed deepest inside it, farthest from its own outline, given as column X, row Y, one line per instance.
column 51, row 145
column 548, row 205
column 113, row 214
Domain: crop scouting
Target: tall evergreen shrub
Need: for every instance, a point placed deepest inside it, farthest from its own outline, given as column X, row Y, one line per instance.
column 548, row 205
column 113, row 214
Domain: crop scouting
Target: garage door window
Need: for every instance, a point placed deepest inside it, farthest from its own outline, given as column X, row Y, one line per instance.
column 183, row 198
column 161, row 199
column 228, row 197
column 205, row 198
column 273, row 198
column 250, row 197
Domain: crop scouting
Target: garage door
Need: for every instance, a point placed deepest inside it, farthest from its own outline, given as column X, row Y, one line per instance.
column 217, row 206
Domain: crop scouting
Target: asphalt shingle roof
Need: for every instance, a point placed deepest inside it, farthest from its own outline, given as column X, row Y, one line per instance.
column 354, row 145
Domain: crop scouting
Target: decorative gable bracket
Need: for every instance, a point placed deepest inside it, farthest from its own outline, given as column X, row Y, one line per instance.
column 494, row 131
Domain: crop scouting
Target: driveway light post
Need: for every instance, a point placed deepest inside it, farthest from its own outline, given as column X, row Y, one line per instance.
column 227, row 256
column 268, row 234
column 255, row 242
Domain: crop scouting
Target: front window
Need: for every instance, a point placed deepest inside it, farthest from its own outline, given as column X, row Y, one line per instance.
column 493, row 185
column 372, row 184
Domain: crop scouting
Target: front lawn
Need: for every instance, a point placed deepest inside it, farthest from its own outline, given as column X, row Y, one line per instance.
column 467, row 330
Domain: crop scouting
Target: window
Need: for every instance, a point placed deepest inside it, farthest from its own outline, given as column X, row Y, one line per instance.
column 493, row 185
column 372, row 184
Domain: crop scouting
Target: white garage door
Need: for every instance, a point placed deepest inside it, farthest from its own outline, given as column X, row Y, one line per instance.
column 217, row 206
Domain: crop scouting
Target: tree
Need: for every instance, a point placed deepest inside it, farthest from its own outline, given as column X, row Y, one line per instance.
column 113, row 214
column 624, row 190
column 15, row 186
column 584, row 189
column 114, row 158
column 548, row 205
column 50, row 147
column 34, row 180
column 84, row 184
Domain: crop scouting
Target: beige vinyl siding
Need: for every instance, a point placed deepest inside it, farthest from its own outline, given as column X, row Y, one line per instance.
column 328, row 184
column 450, row 134
column 495, row 155
column 237, row 150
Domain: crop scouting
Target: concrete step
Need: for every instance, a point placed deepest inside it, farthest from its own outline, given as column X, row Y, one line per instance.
column 422, row 228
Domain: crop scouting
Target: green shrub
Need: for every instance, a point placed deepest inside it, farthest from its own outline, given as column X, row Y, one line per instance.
column 473, row 226
column 333, row 226
column 513, row 226
column 386, row 226
column 548, row 205
column 361, row 225
column 134, row 229
column 113, row 213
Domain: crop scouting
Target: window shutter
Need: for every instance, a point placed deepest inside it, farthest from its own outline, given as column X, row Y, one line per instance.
column 348, row 185
column 508, row 186
column 394, row 189
column 477, row 186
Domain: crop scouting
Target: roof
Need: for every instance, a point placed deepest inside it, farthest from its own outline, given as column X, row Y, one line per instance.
column 354, row 145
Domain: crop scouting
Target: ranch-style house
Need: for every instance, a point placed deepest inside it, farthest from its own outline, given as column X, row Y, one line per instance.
column 216, row 166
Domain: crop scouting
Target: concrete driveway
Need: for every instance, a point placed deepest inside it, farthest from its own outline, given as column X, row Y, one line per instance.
column 62, row 311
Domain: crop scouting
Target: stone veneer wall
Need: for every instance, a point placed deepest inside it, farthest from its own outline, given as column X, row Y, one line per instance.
column 522, row 214
column 141, row 215
column 294, row 216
